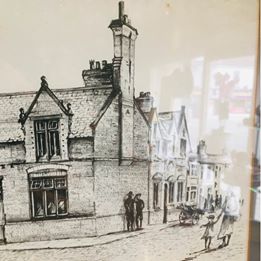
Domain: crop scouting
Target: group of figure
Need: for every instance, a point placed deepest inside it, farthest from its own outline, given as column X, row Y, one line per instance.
column 230, row 212
column 134, row 211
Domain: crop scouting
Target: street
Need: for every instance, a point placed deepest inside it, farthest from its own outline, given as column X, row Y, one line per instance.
column 158, row 242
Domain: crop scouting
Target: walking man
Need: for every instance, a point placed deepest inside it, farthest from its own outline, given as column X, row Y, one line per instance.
column 139, row 210
column 129, row 211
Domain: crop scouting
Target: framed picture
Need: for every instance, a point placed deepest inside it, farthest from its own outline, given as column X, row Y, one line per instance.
column 129, row 130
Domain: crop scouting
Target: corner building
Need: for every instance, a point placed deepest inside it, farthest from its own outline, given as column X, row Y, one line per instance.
column 69, row 156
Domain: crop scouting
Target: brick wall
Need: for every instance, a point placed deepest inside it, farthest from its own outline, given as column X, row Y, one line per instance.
column 81, row 188
column 50, row 229
column 81, row 148
column 127, row 129
column 12, row 152
column 141, row 136
column 15, row 192
column 106, row 143
column 17, row 196
column 113, row 182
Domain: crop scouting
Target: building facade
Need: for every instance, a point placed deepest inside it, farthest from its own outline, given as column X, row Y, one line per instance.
column 169, row 149
column 69, row 156
column 204, row 179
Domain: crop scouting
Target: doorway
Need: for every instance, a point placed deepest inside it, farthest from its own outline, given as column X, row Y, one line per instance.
column 165, row 214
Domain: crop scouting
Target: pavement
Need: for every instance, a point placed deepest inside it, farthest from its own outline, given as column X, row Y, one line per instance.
column 155, row 242
column 74, row 242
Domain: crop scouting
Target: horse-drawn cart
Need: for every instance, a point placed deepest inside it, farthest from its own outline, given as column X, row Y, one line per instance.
column 189, row 213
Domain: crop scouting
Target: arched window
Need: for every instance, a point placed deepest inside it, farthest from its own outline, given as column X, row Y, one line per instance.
column 171, row 181
column 157, row 178
column 180, row 188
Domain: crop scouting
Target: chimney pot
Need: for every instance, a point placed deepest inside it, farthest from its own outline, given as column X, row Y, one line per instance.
column 98, row 65
column 91, row 64
column 141, row 94
column 104, row 64
column 125, row 18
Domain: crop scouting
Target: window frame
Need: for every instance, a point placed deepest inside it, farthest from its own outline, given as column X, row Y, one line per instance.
column 47, row 131
column 156, row 204
column 193, row 191
column 180, row 195
column 171, row 192
column 43, row 190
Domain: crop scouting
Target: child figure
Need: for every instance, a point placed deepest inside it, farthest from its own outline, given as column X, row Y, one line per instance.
column 209, row 232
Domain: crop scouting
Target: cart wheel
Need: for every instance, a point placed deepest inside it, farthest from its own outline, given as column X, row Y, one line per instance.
column 182, row 218
column 195, row 219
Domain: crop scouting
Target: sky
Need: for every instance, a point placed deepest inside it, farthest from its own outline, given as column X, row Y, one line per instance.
column 57, row 38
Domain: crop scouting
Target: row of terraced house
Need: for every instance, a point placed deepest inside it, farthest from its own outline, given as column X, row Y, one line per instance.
column 68, row 157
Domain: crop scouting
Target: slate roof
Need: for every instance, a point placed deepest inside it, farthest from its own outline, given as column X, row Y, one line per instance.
column 85, row 105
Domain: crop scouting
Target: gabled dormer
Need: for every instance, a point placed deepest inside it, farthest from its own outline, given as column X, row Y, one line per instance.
column 183, row 142
column 46, row 126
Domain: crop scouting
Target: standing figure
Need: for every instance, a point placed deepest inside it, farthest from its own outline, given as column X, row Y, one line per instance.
column 129, row 211
column 231, row 214
column 209, row 232
column 139, row 210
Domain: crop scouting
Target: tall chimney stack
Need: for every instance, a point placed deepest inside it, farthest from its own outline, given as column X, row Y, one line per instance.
column 121, row 10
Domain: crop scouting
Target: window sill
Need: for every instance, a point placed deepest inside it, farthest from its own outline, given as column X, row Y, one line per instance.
column 62, row 216
column 53, row 159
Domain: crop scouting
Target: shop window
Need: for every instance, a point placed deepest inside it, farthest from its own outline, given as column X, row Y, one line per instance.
column 171, row 192
column 49, row 197
column 155, row 195
column 47, row 139
column 180, row 192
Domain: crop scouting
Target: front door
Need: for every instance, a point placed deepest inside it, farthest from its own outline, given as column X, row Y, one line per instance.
column 165, row 214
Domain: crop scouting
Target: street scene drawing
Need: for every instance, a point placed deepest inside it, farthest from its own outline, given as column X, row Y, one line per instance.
column 99, row 172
